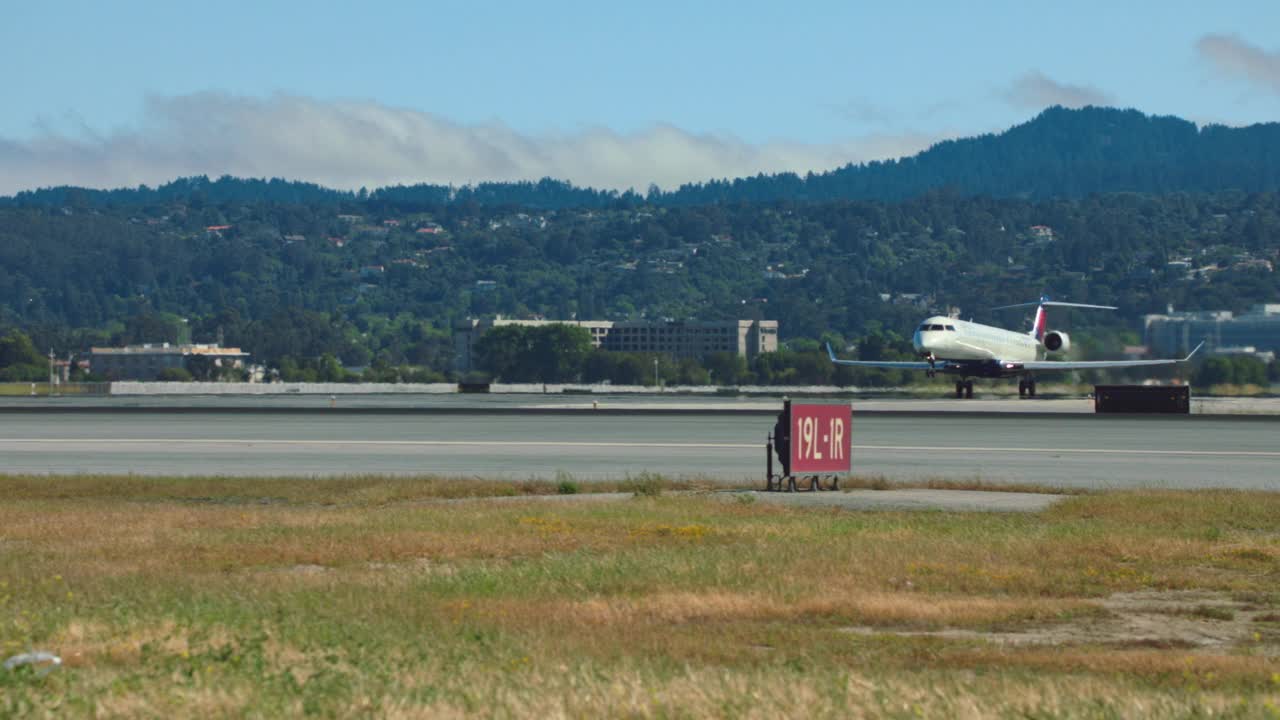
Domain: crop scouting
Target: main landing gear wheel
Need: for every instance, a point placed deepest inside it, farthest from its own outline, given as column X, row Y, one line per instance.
column 1026, row 388
column 964, row 389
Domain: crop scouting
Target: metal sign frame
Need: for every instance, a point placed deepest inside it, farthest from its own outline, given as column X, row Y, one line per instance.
column 810, row 439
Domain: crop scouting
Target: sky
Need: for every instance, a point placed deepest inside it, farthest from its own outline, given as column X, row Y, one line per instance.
column 349, row 95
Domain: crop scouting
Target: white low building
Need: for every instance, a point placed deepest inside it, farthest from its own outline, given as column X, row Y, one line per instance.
column 147, row 361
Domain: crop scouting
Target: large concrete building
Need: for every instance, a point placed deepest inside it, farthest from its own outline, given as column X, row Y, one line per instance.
column 680, row 339
column 1175, row 333
column 147, row 361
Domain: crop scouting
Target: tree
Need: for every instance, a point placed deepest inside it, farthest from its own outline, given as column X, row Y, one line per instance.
column 726, row 368
column 19, row 361
column 151, row 328
column 174, row 374
column 330, row 370
column 559, row 351
column 16, row 349
column 500, row 350
column 548, row 353
column 201, row 367
column 1225, row 369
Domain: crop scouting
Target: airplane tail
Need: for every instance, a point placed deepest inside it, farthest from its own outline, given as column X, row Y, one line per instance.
column 1040, row 324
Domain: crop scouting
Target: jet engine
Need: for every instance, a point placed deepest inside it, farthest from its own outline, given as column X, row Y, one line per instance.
column 1057, row 342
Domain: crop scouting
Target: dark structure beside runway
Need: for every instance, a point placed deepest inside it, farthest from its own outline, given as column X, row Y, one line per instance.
column 812, row 439
column 1169, row 399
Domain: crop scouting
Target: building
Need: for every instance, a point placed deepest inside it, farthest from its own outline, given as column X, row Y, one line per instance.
column 1176, row 333
column 147, row 361
column 747, row 338
column 681, row 339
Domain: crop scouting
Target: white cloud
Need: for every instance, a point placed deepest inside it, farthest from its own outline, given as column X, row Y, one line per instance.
column 1037, row 91
column 349, row 144
column 1233, row 56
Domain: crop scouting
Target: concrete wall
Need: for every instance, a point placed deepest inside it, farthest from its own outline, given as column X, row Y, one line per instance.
column 287, row 389
column 229, row 388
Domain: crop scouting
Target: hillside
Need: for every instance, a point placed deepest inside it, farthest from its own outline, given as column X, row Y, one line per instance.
column 1059, row 153
column 363, row 279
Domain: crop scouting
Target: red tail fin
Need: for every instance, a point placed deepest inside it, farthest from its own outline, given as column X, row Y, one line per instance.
column 1042, row 319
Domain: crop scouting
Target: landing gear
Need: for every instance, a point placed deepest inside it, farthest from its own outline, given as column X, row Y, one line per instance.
column 964, row 389
column 1027, row 388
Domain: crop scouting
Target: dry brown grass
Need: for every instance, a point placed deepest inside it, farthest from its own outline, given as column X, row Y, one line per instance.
column 1175, row 666
column 354, row 490
column 863, row 608
column 880, row 482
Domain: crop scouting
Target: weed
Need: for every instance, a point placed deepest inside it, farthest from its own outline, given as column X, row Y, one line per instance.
column 565, row 484
column 873, row 482
column 1251, row 554
column 645, row 484
column 1212, row 612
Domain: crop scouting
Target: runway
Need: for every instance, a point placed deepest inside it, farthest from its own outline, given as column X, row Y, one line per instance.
column 1065, row 450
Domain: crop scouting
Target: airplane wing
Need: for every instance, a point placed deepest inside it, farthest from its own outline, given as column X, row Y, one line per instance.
column 990, row 355
column 888, row 364
column 1102, row 364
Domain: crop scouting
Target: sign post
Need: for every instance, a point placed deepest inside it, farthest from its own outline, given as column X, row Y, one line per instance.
column 811, row 439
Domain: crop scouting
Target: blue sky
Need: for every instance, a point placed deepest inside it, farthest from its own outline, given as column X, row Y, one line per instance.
column 109, row 94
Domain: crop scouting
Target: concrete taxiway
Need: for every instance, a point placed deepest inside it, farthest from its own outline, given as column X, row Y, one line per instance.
column 1068, row 449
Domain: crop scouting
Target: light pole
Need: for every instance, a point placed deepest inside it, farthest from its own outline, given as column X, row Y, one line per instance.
column 656, row 384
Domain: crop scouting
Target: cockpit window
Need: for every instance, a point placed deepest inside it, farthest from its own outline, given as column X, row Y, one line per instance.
column 923, row 327
column 935, row 327
column 951, row 328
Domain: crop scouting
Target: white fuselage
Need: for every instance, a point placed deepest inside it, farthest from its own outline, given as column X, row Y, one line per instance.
column 947, row 338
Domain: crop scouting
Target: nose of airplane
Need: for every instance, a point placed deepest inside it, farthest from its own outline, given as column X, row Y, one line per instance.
column 917, row 342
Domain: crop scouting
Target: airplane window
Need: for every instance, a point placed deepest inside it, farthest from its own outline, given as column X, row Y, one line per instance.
column 935, row 327
column 922, row 328
column 952, row 328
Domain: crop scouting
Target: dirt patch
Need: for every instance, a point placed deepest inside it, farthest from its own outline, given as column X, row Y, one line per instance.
column 1191, row 620
column 306, row 569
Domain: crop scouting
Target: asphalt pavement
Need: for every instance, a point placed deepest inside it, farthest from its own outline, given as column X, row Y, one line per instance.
column 1053, row 449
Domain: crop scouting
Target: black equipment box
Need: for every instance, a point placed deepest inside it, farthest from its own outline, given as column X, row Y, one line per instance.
column 1173, row 399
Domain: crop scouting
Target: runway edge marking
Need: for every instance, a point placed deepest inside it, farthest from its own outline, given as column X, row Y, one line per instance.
column 582, row 444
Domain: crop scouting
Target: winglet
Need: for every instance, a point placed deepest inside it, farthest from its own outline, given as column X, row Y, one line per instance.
column 832, row 353
column 1193, row 352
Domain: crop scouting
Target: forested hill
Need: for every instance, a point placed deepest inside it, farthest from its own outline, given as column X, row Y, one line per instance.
column 1060, row 153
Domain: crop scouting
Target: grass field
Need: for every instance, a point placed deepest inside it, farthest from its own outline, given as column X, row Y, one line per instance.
column 43, row 389
column 401, row 598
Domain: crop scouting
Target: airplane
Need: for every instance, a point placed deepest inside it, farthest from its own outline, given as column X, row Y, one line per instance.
column 968, row 349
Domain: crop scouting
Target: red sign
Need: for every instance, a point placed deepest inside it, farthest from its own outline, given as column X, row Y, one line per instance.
column 821, row 436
